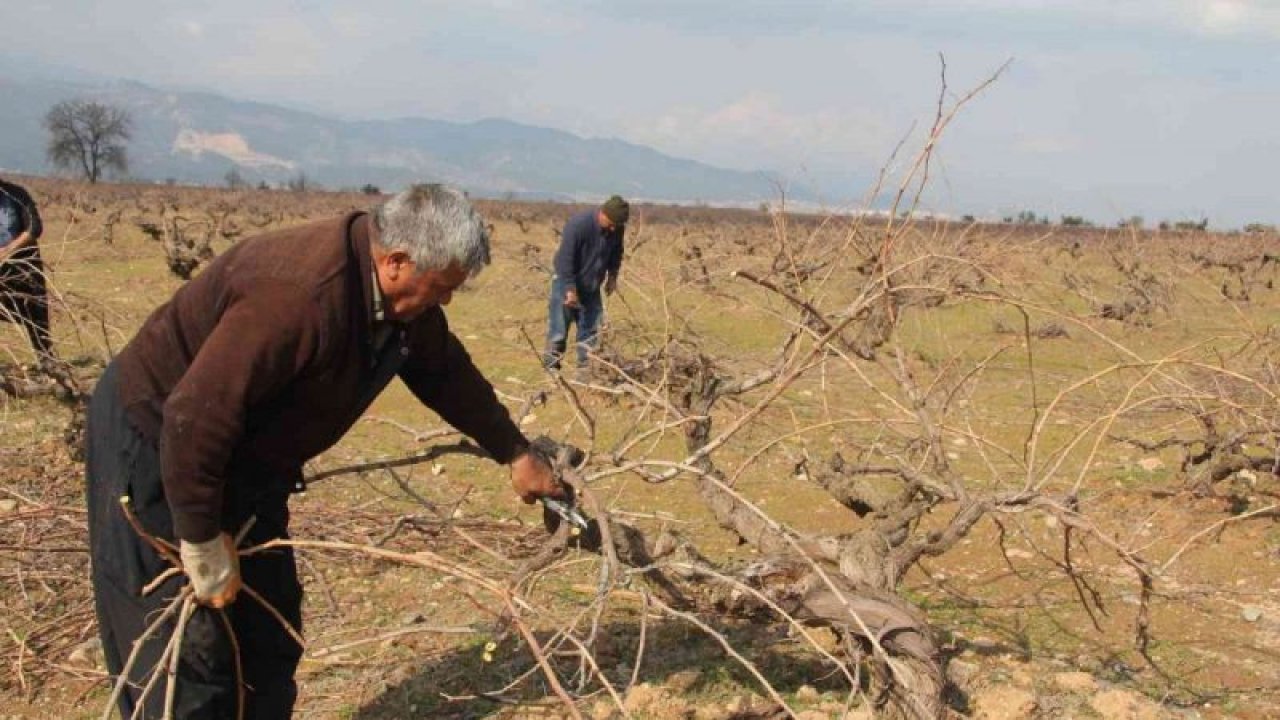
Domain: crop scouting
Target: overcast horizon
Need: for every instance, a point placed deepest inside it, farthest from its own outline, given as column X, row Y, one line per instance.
column 1109, row 109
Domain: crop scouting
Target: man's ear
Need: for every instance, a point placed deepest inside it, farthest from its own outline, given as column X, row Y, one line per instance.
column 398, row 261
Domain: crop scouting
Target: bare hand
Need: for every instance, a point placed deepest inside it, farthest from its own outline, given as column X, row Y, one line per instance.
column 213, row 568
column 531, row 478
column 571, row 298
column 610, row 284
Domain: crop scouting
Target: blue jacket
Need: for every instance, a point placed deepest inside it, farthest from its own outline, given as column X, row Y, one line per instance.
column 587, row 252
column 18, row 214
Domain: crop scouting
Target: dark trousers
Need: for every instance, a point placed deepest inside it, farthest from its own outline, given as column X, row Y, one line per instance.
column 559, row 318
column 120, row 462
column 24, row 299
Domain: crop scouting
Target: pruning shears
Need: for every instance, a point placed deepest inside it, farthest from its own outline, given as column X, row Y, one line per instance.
column 568, row 513
column 566, row 509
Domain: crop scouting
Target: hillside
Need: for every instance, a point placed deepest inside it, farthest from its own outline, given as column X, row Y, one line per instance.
column 197, row 137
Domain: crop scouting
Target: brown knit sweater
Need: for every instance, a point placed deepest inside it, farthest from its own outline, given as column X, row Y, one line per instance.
column 265, row 360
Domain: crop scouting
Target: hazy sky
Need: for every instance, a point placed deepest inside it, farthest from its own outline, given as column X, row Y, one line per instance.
column 1162, row 108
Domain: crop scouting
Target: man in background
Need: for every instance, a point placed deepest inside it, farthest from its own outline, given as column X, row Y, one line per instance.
column 587, row 262
column 23, row 294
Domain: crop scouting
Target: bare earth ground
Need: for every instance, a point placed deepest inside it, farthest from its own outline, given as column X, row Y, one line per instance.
column 1024, row 637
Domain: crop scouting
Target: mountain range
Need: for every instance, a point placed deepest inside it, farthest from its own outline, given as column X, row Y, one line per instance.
column 199, row 137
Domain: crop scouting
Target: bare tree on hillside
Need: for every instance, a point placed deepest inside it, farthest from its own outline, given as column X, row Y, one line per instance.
column 88, row 137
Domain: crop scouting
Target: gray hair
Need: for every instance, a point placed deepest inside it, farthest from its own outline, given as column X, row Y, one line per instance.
column 436, row 226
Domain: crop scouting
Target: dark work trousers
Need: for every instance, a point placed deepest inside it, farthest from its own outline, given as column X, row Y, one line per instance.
column 559, row 318
column 24, row 299
column 120, row 462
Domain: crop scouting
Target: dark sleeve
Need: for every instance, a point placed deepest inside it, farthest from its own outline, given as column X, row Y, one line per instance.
column 260, row 343
column 28, row 216
column 615, row 258
column 34, row 224
column 567, row 256
column 440, row 373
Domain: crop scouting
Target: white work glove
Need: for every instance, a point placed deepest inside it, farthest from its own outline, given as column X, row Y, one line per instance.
column 213, row 567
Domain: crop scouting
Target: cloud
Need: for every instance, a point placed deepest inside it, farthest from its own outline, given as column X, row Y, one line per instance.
column 1235, row 17
column 1220, row 18
column 1134, row 100
column 777, row 135
column 1045, row 144
column 1223, row 15
column 353, row 24
column 276, row 46
column 999, row 19
column 1214, row 18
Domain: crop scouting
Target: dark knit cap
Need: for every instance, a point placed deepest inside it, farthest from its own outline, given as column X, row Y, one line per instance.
column 617, row 210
